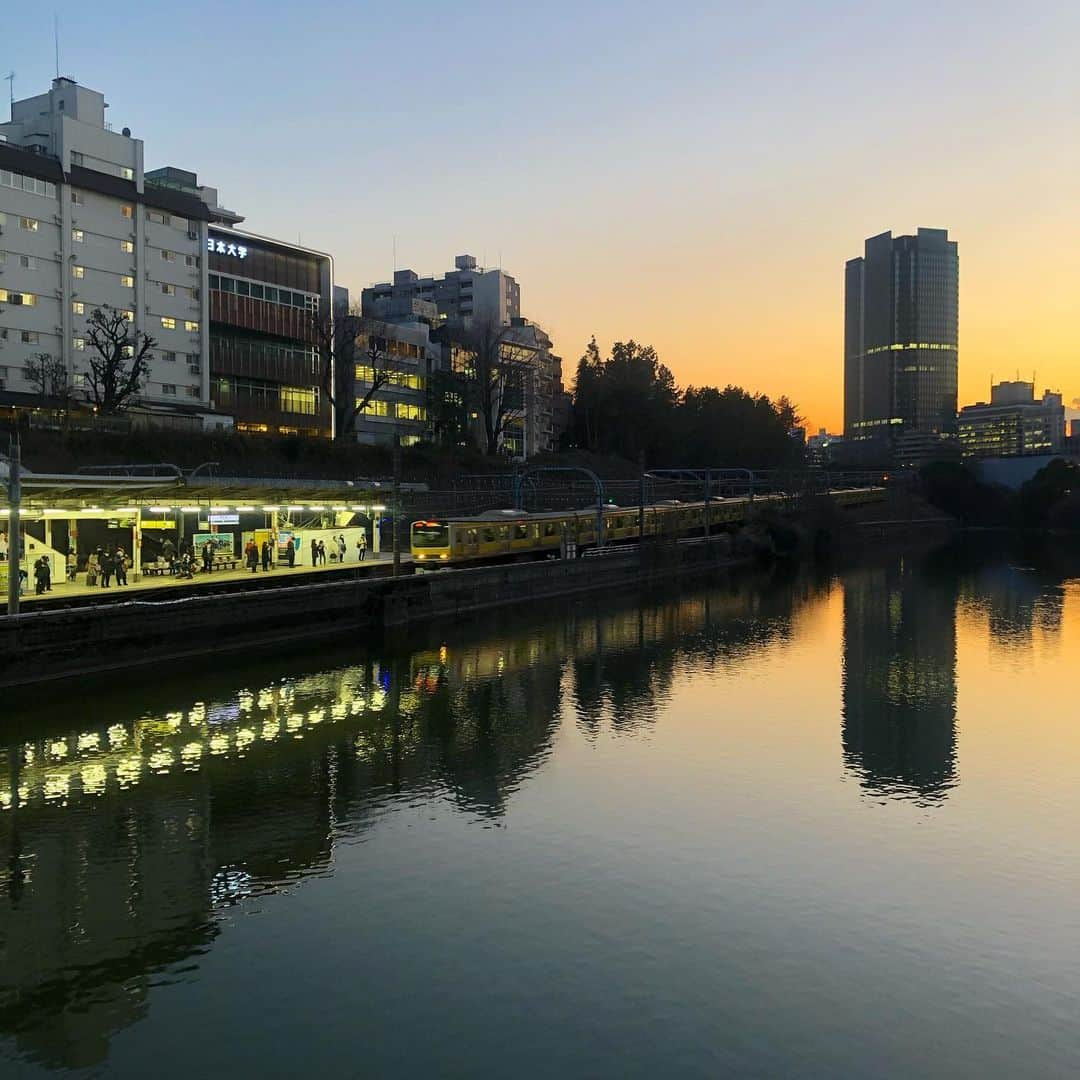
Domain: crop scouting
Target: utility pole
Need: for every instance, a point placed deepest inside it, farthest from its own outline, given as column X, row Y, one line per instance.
column 641, row 506
column 14, row 532
column 397, row 505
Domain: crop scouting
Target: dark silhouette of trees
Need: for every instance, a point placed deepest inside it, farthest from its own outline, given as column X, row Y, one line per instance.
column 494, row 365
column 628, row 404
column 118, row 356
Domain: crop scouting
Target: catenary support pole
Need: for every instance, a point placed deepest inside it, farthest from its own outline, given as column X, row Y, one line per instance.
column 397, row 505
column 14, row 531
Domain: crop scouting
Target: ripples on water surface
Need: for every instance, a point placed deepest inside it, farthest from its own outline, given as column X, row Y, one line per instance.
column 787, row 827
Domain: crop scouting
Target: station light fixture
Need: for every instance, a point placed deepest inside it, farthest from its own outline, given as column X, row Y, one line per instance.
column 159, row 509
column 219, row 509
column 377, row 509
column 294, row 509
column 270, row 509
column 246, row 509
column 316, row 509
column 127, row 510
column 339, row 509
column 91, row 509
column 189, row 509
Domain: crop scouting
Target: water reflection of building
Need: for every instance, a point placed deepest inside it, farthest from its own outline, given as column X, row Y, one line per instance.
column 1018, row 601
column 899, row 680
column 122, row 842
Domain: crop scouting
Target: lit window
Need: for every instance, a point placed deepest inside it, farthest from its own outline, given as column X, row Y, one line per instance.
column 191, row 326
column 127, row 351
column 29, row 224
column 127, row 211
column 127, row 281
column 376, row 408
column 129, row 315
column 78, row 271
column 168, row 323
column 126, row 173
column 127, row 245
column 405, row 411
column 77, row 236
column 78, row 343
column 299, row 399
column 78, row 307
column 18, row 298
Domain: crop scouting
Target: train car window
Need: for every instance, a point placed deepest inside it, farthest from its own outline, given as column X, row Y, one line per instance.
column 471, row 534
column 521, row 532
column 489, row 536
column 550, row 528
column 431, row 534
column 504, row 532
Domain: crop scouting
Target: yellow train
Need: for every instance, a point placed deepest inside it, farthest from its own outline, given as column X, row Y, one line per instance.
column 512, row 534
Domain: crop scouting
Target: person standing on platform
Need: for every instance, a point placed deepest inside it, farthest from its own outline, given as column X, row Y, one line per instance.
column 314, row 552
column 208, row 556
column 105, row 562
column 120, row 564
column 253, row 556
column 72, row 565
column 290, row 552
column 361, row 546
column 46, row 565
column 265, row 556
column 39, row 576
column 341, row 547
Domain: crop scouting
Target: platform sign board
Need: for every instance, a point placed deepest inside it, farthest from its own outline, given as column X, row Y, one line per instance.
column 223, row 542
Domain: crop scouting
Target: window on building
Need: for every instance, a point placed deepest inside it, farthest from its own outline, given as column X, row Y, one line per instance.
column 78, row 343
column 214, row 281
column 31, row 184
column 167, row 289
column 127, row 281
column 126, row 173
column 169, row 355
column 271, row 294
column 168, row 256
column 168, row 388
column 78, row 272
column 29, row 337
column 242, row 289
column 16, row 299
column 375, row 408
column 29, row 224
column 157, row 217
column 168, row 323
column 129, row 315
column 193, row 358
column 191, row 326
column 77, row 236
column 78, row 307
column 128, row 246
column 300, row 399
column 407, row 411
column 191, row 260
column 77, row 198
column 127, row 211
column 193, row 391
column 27, row 262
column 76, row 157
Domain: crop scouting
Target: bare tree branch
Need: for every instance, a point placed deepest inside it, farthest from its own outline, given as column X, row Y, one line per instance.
column 118, row 359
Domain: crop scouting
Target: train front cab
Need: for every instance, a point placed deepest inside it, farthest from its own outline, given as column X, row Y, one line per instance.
column 430, row 541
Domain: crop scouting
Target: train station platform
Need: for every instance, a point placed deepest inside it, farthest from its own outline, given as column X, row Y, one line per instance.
column 153, row 587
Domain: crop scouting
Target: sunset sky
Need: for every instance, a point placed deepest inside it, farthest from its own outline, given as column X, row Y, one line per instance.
column 693, row 176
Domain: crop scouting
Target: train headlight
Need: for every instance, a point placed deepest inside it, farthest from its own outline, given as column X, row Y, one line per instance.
column 444, row 556
column 421, row 556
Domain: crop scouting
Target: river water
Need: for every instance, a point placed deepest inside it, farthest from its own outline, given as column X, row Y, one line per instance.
column 783, row 826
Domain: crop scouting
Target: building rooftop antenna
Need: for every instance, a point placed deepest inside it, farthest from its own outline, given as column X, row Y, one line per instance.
column 56, row 41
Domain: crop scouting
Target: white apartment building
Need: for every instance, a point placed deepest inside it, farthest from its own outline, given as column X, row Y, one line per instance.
column 80, row 228
column 465, row 292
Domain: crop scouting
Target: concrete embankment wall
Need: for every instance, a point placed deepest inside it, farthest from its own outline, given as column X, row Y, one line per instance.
column 43, row 645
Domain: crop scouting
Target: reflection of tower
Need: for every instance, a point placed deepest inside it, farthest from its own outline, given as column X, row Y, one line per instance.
column 899, row 680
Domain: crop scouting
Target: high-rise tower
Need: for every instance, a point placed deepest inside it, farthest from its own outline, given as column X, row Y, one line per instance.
column 900, row 336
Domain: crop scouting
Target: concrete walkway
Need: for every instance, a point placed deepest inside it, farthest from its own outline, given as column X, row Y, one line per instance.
column 156, row 584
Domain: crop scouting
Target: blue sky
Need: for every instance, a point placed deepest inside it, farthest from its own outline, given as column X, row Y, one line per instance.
column 693, row 176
